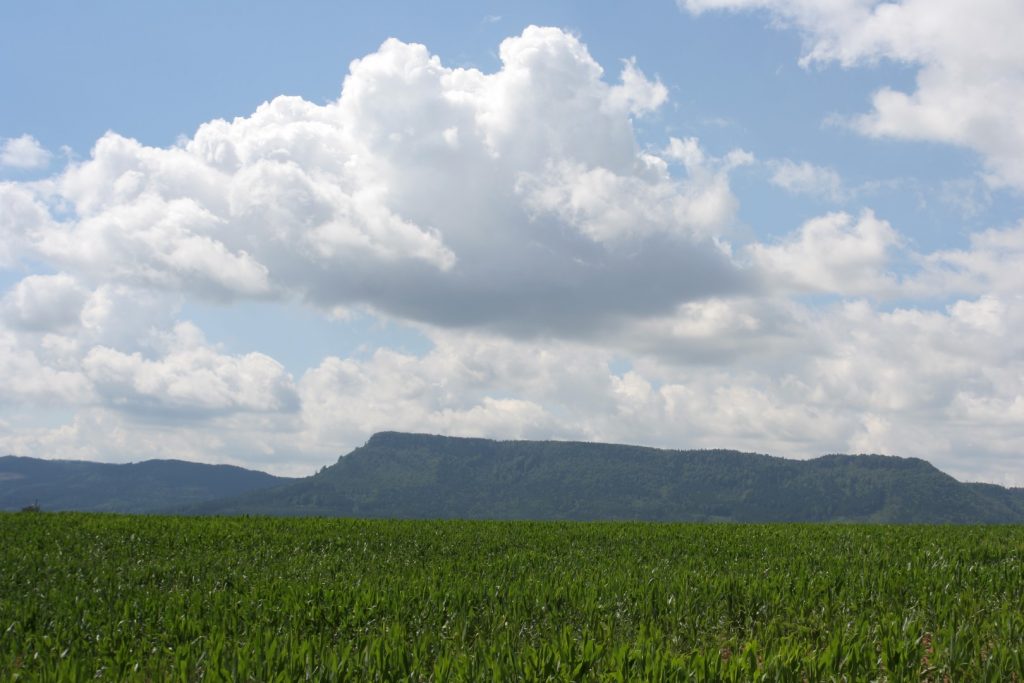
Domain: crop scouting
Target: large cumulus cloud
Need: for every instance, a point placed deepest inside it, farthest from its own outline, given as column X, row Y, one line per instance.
column 518, row 200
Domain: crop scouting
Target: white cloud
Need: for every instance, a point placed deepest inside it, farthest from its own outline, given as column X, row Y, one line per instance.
column 126, row 318
column 800, row 382
column 21, row 216
column 29, row 379
column 970, row 83
column 636, row 93
column 865, row 380
column 518, row 200
column 808, row 179
column 463, row 386
column 151, row 242
column 24, row 152
column 992, row 264
column 190, row 378
column 832, row 253
column 609, row 208
column 44, row 303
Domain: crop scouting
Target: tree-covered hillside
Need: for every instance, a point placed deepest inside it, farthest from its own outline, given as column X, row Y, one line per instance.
column 424, row 476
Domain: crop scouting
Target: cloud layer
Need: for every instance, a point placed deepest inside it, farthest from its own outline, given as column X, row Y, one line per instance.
column 573, row 283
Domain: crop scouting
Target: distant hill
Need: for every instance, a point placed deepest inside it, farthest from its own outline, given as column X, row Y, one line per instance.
column 149, row 486
column 424, row 476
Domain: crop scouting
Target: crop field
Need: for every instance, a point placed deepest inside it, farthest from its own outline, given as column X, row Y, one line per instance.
column 87, row 597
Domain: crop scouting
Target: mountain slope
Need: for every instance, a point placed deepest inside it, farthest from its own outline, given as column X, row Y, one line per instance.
column 424, row 476
column 147, row 486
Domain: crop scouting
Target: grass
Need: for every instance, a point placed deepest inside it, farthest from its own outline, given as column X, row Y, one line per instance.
column 86, row 597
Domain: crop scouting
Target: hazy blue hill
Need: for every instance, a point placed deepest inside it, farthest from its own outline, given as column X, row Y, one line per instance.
column 147, row 486
column 424, row 476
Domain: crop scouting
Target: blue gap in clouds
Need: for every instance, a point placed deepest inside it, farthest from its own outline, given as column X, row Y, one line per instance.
column 620, row 365
column 9, row 277
column 299, row 337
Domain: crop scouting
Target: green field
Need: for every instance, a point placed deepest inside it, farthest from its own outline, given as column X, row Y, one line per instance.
column 86, row 597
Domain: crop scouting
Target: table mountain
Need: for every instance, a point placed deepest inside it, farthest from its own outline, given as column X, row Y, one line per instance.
column 425, row 476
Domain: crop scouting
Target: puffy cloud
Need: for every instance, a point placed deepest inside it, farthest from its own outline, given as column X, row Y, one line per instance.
column 990, row 265
column 806, row 178
column 126, row 318
column 937, row 384
column 190, row 378
column 44, row 303
column 151, row 242
column 636, row 93
column 518, row 200
column 914, row 375
column 22, row 215
column 970, row 84
column 467, row 385
column 30, row 379
column 176, row 397
column 736, row 332
column 832, row 253
column 23, row 152
column 609, row 208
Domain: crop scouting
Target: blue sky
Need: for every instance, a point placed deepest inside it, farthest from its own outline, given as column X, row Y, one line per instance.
column 776, row 226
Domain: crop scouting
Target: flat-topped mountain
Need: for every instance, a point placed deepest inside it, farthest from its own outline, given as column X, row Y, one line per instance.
column 425, row 476
column 149, row 486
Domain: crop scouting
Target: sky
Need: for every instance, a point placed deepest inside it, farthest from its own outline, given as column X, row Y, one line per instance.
column 257, row 232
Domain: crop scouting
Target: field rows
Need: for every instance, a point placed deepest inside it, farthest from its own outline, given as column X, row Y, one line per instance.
column 160, row 598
